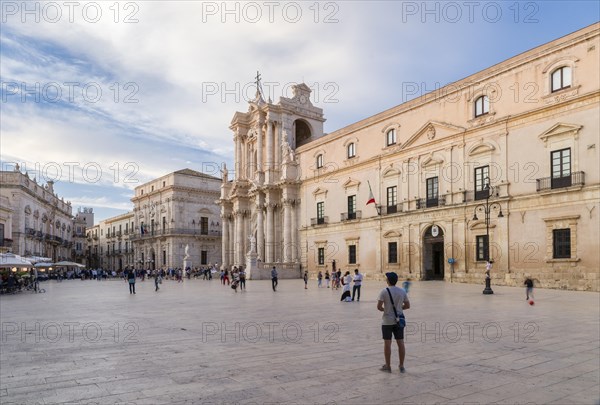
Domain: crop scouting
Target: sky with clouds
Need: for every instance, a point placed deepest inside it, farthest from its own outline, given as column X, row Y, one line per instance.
column 104, row 96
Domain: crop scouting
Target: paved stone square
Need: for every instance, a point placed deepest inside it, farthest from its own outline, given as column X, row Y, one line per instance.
column 199, row 342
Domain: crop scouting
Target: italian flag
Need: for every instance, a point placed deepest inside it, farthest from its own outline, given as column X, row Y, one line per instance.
column 371, row 197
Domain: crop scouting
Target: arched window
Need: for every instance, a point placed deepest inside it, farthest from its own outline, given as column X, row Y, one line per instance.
column 561, row 78
column 482, row 106
column 319, row 160
column 391, row 137
column 351, row 150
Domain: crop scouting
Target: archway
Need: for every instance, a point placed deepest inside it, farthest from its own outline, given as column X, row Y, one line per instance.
column 302, row 132
column 152, row 260
column 433, row 253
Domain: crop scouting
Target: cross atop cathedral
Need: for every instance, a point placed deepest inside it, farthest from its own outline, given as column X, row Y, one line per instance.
column 259, row 90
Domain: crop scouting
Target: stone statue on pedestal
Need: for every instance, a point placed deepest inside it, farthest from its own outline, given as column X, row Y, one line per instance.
column 224, row 173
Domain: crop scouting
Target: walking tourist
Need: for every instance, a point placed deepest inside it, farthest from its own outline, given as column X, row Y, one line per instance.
column 157, row 280
column 327, row 278
column 274, row 278
column 319, row 279
column 305, row 277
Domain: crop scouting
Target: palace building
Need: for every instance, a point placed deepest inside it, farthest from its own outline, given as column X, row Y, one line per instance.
column 170, row 213
column 34, row 221
column 502, row 166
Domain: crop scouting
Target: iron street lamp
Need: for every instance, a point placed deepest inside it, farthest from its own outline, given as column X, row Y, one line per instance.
column 487, row 210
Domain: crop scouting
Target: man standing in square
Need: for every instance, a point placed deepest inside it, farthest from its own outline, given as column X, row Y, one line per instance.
column 357, row 283
column 392, row 302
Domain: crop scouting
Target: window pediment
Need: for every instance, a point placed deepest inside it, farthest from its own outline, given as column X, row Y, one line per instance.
column 481, row 148
column 350, row 140
column 351, row 183
column 480, row 225
column 390, row 172
column 391, row 125
column 320, row 191
column 566, row 61
column 392, row 234
column 560, row 129
column 432, row 161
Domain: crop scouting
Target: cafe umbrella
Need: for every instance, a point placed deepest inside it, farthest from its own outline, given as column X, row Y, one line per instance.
column 9, row 260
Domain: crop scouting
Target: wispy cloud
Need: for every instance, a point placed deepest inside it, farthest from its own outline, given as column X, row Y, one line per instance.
column 171, row 82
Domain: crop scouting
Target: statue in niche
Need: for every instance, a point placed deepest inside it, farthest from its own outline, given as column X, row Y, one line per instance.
column 287, row 153
column 252, row 244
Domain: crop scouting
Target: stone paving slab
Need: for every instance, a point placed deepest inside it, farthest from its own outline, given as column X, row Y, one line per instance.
column 198, row 342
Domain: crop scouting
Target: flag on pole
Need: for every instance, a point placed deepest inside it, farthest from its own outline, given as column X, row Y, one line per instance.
column 371, row 197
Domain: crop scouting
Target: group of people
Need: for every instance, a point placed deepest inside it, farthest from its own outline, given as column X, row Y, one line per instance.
column 345, row 281
column 238, row 278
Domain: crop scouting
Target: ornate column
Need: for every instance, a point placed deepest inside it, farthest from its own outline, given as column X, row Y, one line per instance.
column 260, row 230
column 269, row 157
column 294, row 230
column 231, row 241
column 259, row 147
column 238, row 155
column 245, row 234
column 277, row 145
column 270, row 233
column 236, row 237
column 287, row 230
column 239, row 238
column 225, row 241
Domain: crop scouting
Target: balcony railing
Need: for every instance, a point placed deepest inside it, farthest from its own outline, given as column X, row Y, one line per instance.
column 551, row 183
column 171, row 232
column 6, row 242
column 481, row 194
column 319, row 221
column 349, row 216
column 431, row 202
column 391, row 209
column 30, row 231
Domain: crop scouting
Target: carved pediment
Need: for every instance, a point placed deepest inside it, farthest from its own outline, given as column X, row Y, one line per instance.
column 204, row 211
column 481, row 148
column 392, row 234
column 320, row 191
column 391, row 125
column 480, row 225
column 432, row 160
column 560, row 129
column 390, row 172
column 351, row 183
column 430, row 131
column 239, row 118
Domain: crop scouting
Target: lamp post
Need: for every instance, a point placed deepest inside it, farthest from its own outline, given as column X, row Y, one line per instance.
column 487, row 210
